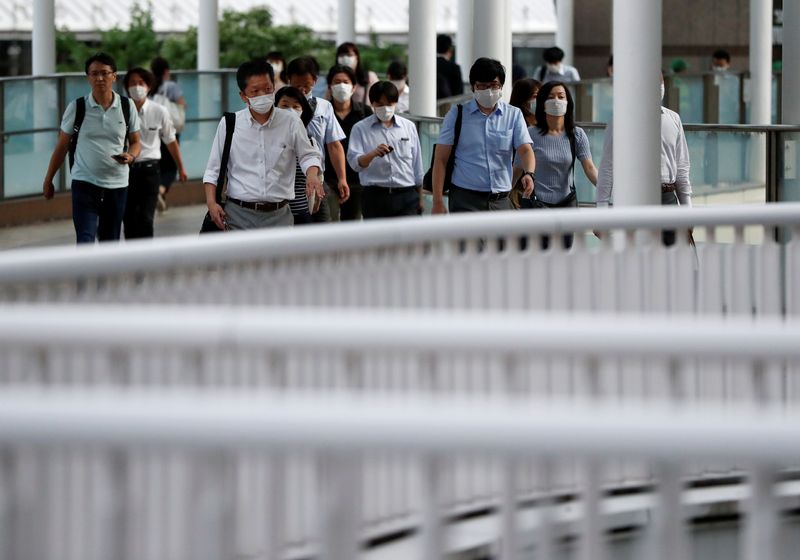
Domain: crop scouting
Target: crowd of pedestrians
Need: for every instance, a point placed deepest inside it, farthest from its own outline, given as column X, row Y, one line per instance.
column 291, row 157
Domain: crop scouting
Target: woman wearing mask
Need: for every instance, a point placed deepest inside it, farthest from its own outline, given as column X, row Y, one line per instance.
column 144, row 178
column 278, row 63
column 347, row 55
column 558, row 144
column 341, row 84
column 167, row 92
column 292, row 99
column 523, row 97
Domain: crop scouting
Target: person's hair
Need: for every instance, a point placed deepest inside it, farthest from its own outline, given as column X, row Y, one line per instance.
column 553, row 55
column 102, row 58
column 341, row 69
column 541, row 116
column 517, row 73
column 296, row 95
column 143, row 73
column 383, row 89
column 443, row 43
column 254, row 67
column 485, row 70
column 397, row 70
column 303, row 65
column 521, row 94
column 722, row 54
column 159, row 67
column 610, row 60
column 362, row 77
column 278, row 55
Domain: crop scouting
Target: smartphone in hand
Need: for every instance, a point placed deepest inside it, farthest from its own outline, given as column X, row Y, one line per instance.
column 119, row 158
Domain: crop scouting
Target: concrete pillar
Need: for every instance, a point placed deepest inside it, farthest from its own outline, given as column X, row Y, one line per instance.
column 490, row 18
column 346, row 30
column 208, row 36
column 422, row 57
column 44, row 37
column 508, row 57
column 565, row 17
column 637, row 119
column 760, row 61
column 464, row 35
column 791, row 62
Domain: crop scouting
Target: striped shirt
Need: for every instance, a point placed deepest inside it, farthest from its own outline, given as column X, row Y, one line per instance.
column 554, row 162
column 299, row 205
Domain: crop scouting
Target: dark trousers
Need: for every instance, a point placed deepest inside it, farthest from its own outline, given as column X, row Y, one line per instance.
column 381, row 202
column 351, row 209
column 169, row 169
column 142, row 198
column 668, row 235
column 97, row 212
column 466, row 200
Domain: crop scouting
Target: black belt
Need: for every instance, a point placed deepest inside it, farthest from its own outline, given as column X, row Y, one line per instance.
column 259, row 206
column 668, row 187
column 488, row 195
column 145, row 164
column 391, row 190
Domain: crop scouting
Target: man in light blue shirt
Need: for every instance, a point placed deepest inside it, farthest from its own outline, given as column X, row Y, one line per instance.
column 384, row 149
column 100, row 172
column 491, row 131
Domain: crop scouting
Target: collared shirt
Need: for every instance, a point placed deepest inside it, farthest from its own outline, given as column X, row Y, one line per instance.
column 486, row 146
column 674, row 160
column 324, row 128
column 102, row 135
column 263, row 156
column 358, row 112
column 400, row 168
column 156, row 125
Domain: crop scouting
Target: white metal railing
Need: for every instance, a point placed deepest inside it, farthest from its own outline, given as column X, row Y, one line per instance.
column 72, row 471
column 493, row 359
column 459, row 262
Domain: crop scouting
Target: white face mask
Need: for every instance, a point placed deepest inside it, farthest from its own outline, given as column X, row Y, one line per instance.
column 555, row 107
column 532, row 105
column 298, row 110
column 261, row 104
column 342, row 92
column 384, row 114
column 487, row 98
column 350, row 60
column 554, row 68
column 277, row 67
column 662, row 92
column 137, row 93
column 399, row 84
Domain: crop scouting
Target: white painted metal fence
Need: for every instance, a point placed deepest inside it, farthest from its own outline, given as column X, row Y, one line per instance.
column 494, row 360
column 458, row 262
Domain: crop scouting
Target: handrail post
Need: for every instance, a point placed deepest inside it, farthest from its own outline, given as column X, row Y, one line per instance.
column 710, row 99
column 584, row 103
column 774, row 165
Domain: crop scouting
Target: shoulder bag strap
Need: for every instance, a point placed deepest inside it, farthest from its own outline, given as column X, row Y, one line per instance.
column 125, row 103
column 574, row 151
column 80, row 112
column 230, row 125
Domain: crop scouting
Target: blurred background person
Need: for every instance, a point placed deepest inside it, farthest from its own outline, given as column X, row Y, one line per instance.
column 721, row 61
column 347, row 54
column 554, row 69
column 168, row 93
column 278, row 63
column 449, row 82
column 398, row 75
column 523, row 97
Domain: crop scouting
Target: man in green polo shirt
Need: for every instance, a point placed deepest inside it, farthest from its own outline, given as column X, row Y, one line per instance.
column 107, row 143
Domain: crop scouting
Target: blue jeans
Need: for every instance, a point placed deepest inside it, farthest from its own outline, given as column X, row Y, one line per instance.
column 97, row 212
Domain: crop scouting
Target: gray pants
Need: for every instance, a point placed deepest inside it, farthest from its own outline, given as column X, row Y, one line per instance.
column 244, row 218
column 466, row 200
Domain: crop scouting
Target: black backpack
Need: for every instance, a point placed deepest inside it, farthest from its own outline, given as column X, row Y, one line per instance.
column 230, row 124
column 80, row 112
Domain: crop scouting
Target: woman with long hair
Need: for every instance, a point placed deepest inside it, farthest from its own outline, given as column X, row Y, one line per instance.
column 523, row 97
column 347, row 54
column 558, row 145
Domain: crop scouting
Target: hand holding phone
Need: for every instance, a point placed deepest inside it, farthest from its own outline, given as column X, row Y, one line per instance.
column 120, row 158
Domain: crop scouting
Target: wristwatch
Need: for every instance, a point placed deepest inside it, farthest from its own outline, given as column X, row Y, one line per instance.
column 532, row 175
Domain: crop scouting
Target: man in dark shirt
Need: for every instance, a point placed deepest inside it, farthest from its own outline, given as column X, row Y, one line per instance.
column 448, row 73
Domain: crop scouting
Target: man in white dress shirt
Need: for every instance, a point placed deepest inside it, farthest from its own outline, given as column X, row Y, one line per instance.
column 266, row 146
column 675, row 185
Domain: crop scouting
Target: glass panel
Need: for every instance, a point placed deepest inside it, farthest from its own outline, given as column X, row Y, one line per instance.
column 691, row 98
column 602, row 102
column 207, row 105
column 23, row 153
column 789, row 172
column 729, row 88
column 587, row 194
column 727, row 167
column 20, row 98
column 196, row 142
column 75, row 86
column 234, row 101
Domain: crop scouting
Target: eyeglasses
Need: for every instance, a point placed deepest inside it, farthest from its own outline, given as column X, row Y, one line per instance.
column 488, row 85
column 103, row 74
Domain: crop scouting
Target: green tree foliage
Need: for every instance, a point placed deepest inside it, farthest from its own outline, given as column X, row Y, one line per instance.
column 377, row 56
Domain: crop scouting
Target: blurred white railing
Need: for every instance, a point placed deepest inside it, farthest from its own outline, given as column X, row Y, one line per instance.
column 460, row 262
column 423, row 358
column 75, row 481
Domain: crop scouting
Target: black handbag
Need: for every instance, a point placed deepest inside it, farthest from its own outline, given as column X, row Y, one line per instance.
column 427, row 180
column 230, row 124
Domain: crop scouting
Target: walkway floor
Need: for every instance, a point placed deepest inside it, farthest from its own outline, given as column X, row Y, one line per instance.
column 175, row 221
